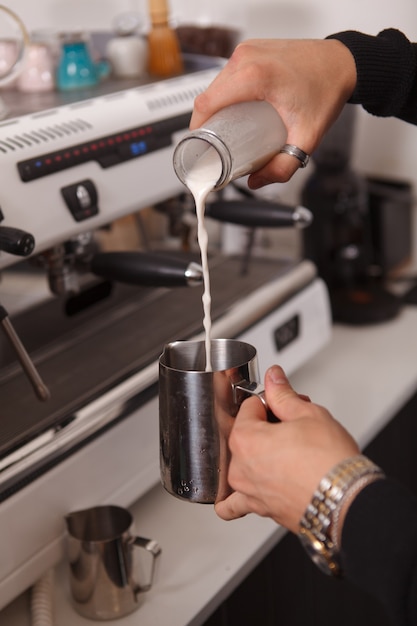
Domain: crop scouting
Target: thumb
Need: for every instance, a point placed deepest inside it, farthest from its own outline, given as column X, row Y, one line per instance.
column 282, row 399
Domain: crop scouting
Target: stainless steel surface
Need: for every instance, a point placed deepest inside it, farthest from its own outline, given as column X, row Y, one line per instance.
column 104, row 574
column 196, row 411
column 82, row 352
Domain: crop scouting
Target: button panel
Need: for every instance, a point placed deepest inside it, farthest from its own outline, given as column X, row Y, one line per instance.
column 108, row 151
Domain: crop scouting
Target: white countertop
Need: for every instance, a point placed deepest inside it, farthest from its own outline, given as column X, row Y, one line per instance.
column 363, row 376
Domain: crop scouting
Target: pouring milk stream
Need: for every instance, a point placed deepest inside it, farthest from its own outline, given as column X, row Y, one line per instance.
column 200, row 180
column 235, row 141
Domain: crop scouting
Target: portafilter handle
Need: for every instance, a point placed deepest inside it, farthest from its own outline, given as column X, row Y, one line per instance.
column 147, row 269
column 259, row 213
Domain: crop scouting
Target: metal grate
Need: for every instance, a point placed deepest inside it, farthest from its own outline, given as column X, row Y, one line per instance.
column 43, row 135
column 179, row 97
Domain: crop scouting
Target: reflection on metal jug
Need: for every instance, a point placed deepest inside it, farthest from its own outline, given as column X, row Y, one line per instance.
column 103, row 580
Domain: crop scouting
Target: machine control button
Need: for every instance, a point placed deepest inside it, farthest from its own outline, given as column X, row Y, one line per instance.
column 82, row 199
column 287, row 332
column 107, row 151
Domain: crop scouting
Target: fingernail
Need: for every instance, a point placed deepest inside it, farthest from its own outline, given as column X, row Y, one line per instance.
column 277, row 376
column 257, row 182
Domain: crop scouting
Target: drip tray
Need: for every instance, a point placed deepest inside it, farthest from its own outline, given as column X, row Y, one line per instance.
column 82, row 356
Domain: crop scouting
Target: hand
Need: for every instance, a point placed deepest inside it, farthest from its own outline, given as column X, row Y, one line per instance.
column 275, row 467
column 307, row 81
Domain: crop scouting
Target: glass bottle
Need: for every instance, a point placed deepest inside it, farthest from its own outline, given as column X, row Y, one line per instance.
column 242, row 136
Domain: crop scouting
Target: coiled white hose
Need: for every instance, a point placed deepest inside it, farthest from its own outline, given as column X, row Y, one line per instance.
column 42, row 600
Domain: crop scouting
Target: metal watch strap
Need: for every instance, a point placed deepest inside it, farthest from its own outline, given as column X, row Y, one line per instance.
column 318, row 522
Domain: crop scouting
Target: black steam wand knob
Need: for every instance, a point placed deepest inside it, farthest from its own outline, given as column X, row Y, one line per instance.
column 15, row 241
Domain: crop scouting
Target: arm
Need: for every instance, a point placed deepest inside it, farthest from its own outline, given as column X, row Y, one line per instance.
column 379, row 547
column 309, row 81
column 275, row 469
column 386, row 67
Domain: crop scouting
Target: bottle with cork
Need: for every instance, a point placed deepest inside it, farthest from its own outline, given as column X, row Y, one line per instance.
column 164, row 53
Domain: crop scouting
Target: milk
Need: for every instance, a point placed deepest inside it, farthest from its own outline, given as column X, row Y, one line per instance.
column 200, row 180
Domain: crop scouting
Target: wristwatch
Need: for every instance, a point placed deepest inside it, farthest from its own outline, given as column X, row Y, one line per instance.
column 319, row 525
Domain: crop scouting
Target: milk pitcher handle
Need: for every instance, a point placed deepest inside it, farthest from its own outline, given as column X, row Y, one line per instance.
column 243, row 389
column 154, row 549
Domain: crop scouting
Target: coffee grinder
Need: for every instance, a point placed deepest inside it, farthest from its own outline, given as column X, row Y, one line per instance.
column 339, row 241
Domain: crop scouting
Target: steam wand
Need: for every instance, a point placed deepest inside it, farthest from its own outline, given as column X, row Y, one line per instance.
column 41, row 390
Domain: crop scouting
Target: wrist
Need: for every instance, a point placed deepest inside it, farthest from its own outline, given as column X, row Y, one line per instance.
column 345, row 71
column 340, row 512
column 322, row 522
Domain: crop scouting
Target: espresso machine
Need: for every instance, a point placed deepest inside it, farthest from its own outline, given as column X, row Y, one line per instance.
column 82, row 325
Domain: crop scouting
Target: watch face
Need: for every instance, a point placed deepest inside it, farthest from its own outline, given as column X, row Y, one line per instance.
column 318, row 552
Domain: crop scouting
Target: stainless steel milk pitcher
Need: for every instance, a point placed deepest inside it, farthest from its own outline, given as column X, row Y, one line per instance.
column 196, row 412
column 103, row 570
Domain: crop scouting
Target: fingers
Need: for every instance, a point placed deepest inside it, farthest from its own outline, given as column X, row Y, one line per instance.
column 307, row 81
column 279, row 170
column 236, row 82
column 233, row 507
column 282, row 399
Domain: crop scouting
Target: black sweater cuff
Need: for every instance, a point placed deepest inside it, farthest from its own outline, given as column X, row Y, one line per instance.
column 386, row 68
column 379, row 547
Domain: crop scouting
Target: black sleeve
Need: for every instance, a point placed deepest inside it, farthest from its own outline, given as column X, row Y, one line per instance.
column 386, row 68
column 379, row 547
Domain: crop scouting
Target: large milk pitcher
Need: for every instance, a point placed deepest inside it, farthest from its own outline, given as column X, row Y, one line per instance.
column 104, row 575
column 196, row 413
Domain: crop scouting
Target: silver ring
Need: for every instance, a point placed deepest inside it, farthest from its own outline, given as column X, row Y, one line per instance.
column 299, row 154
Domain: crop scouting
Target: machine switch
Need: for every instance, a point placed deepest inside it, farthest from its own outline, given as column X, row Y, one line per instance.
column 81, row 198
